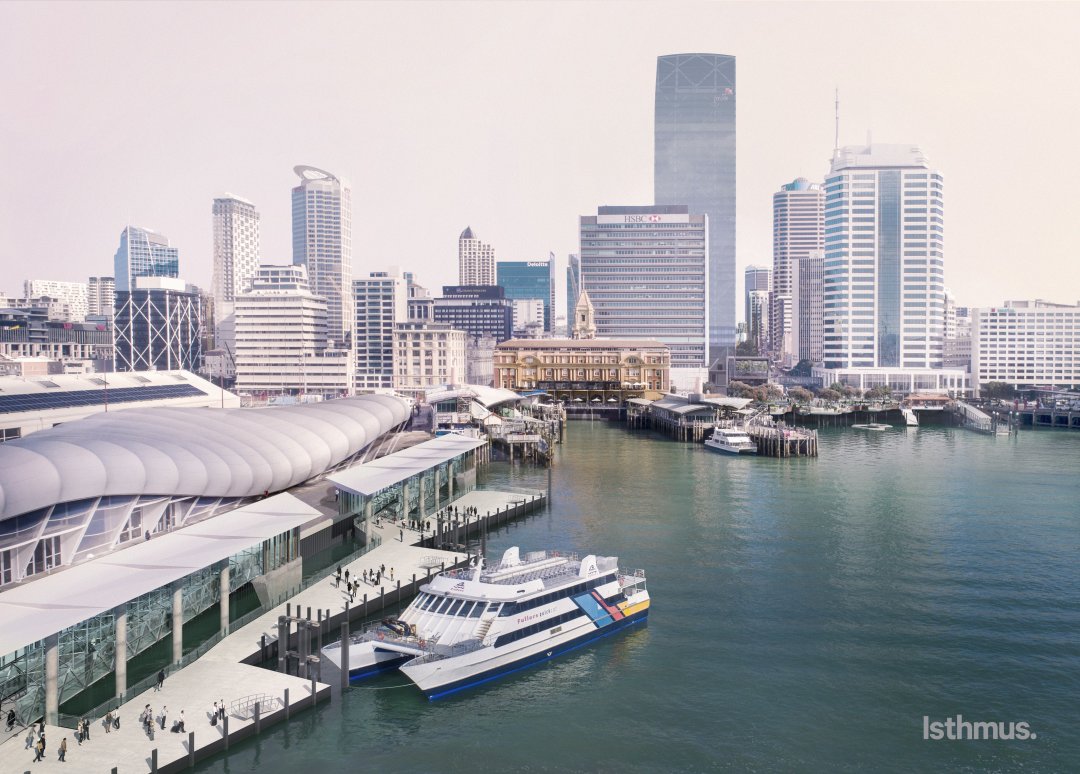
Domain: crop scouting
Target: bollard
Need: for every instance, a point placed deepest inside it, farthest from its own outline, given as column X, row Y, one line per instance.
column 153, row 761
column 286, row 703
column 309, row 612
column 313, row 692
column 288, row 609
column 225, row 731
column 258, row 719
column 190, row 748
column 344, row 657
column 262, row 648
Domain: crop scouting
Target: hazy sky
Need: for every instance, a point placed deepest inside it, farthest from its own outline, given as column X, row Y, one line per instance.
column 516, row 118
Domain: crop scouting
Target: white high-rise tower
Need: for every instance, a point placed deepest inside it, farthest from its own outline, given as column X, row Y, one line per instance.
column 322, row 242
column 476, row 260
column 236, row 259
column 884, row 270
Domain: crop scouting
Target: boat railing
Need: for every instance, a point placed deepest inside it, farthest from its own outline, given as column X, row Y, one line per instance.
column 629, row 578
column 439, row 652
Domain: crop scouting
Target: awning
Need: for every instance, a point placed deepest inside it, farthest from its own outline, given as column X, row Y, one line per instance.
column 374, row 476
column 42, row 606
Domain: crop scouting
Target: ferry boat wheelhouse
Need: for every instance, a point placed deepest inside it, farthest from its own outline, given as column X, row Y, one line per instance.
column 473, row 625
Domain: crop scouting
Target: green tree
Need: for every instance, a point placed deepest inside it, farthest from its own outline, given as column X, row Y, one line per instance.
column 996, row 390
column 746, row 349
column 800, row 395
column 802, row 368
column 829, row 394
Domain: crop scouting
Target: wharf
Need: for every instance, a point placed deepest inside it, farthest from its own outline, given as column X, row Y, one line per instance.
column 228, row 670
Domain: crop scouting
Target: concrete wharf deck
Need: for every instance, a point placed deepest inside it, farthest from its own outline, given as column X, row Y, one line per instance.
column 227, row 672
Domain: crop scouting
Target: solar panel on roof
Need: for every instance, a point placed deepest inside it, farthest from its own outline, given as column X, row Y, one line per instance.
column 46, row 383
column 10, row 404
column 142, row 379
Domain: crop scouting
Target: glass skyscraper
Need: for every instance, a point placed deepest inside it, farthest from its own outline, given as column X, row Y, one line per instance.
column 322, row 242
column 884, row 270
column 529, row 279
column 143, row 253
column 694, row 165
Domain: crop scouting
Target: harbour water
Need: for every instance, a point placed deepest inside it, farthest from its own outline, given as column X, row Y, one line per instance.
column 807, row 614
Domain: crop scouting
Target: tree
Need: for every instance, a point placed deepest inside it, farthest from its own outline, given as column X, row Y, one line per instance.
column 739, row 389
column 800, row 395
column 836, row 387
column 774, row 391
column 829, row 394
column 994, row 390
column 746, row 348
column 802, row 368
column 880, row 392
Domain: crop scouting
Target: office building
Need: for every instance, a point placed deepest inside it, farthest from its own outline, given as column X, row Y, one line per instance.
column 481, row 311
column 694, row 165
column 755, row 278
column 143, row 253
column 884, row 290
column 73, row 295
column 530, row 280
column 1026, row 344
column 381, row 301
column 528, row 318
column 757, row 324
column 322, row 244
column 158, row 326
column 427, row 355
column 476, row 260
column 282, row 345
column 807, row 307
column 101, row 297
column 236, row 260
column 573, row 286
column 30, row 332
column 798, row 231
column 646, row 271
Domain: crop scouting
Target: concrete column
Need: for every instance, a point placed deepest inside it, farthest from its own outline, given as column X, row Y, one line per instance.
column 121, row 650
column 177, row 623
column 450, row 482
column 225, row 599
column 52, row 678
column 405, row 499
column 423, row 494
column 438, row 489
column 369, row 514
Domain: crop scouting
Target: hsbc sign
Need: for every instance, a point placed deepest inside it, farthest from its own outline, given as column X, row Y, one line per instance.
column 645, row 218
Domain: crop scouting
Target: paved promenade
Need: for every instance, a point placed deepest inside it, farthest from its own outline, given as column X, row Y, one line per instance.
column 130, row 749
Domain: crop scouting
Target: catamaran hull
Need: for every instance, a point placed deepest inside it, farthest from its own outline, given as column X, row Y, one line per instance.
column 728, row 450
column 367, row 660
column 441, row 678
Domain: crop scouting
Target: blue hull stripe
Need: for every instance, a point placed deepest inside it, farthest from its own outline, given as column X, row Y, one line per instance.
column 390, row 665
column 539, row 658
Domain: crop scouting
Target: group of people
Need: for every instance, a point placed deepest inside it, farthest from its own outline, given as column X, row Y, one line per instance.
column 372, row 577
column 218, row 713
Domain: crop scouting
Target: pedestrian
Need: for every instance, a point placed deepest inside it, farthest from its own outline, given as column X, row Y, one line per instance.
column 213, row 720
column 401, row 535
column 160, row 678
column 164, row 713
column 222, row 709
column 39, row 749
column 181, row 721
column 108, row 722
column 78, row 733
column 63, row 749
column 86, row 729
column 41, row 727
column 346, row 576
column 29, row 738
column 337, row 578
column 10, row 719
column 391, row 574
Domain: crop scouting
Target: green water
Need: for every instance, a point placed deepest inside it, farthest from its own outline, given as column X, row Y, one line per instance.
column 806, row 615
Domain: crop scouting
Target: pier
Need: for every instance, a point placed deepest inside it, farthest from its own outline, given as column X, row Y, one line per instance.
column 777, row 441
column 257, row 697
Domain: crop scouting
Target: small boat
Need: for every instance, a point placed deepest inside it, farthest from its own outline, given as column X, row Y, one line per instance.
column 873, row 426
column 470, row 626
column 731, row 441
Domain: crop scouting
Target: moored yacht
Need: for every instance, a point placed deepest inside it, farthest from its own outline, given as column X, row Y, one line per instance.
column 473, row 625
column 731, row 440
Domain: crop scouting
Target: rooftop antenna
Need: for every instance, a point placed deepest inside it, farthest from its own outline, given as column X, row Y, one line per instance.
column 836, row 138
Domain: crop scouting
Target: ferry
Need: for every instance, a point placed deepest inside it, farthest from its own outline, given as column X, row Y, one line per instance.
column 731, row 441
column 473, row 625
column 878, row 426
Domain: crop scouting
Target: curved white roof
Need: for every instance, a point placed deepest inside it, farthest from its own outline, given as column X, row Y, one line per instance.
column 204, row 452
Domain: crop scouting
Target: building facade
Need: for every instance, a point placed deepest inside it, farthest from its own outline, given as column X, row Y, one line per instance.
column 758, row 323
column 68, row 347
column 524, row 280
column 694, row 165
column 143, row 253
column 798, row 231
column 884, row 275
column 427, row 355
column 755, row 278
column 476, row 260
column 236, row 259
column 74, row 295
column 381, row 301
column 807, row 307
column 1026, row 344
column 646, row 270
column 573, row 285
column 322, row 244
column 481, row 311
column 101, row 297
column 584, row 370
column 158, row 326
column 281, row 338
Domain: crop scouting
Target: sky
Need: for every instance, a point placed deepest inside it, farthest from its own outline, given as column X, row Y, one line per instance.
column 515, row 118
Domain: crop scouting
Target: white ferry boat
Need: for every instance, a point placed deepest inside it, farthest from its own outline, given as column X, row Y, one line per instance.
column 731, row 441
column 474, row 625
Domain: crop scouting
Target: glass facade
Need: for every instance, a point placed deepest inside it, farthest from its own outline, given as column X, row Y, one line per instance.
column 529, row 279
column 158, row 330
column 694, row 165
column 143, row 253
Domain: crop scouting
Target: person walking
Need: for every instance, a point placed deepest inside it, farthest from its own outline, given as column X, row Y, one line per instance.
column 391, row 574
column 160, row 678
column 10, row 719
column 63, row 749
column 29, row 738
column 346, row 575
column 39, row 749
column 222, row 710
column 108, row 722
column 86, row 729
column 164, row 714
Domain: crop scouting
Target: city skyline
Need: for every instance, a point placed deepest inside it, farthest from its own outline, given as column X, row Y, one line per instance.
column 985, row 115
